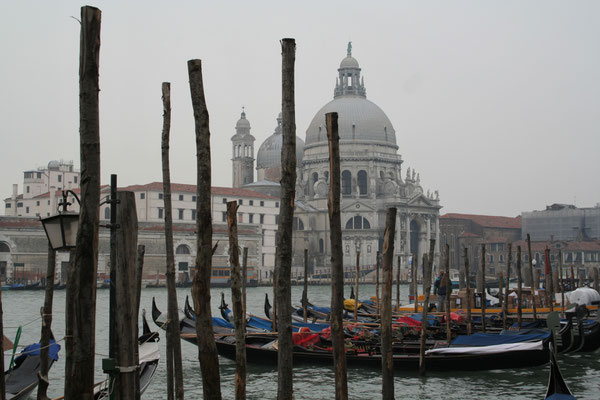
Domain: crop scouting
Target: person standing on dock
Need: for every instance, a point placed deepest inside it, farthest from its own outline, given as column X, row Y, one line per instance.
column 439, row 288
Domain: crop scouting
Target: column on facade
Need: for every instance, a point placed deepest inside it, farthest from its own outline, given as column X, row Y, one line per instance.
column 407, row 233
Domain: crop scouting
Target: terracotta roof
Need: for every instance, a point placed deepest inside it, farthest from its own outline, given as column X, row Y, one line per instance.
column 488, row 221
column 216, row 190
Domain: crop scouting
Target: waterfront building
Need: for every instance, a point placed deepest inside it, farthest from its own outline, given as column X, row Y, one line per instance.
column 471, row 231
column 562, row 222
column 24, row 251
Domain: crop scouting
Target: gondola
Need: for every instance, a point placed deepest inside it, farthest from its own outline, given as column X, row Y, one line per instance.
column 262, row 349
column 149, row 357
column 557, row 388
column 22, row 378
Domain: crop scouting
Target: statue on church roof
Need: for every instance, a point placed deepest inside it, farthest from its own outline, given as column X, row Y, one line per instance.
column 408, row 173
column 349, row 49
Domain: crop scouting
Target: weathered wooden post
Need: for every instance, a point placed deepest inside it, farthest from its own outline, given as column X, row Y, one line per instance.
column 501, row 289
column 305, row 290
column 239, row 319
column 483, row 299
column 414, row 270
column 80, row 299
column 141, row 251
column 377, row 303
column 174, row 360
column 207, row 349
column 427, row 267
column 468, row 284
column 286, row 219
column 127, row 381
column 398, row 283
column 244, row 279
column 337, row 259
column 46, row 328
column 519, row 289
column 387, row 361
column 357, row 277
column 562, row 283
column 505, row 305
column 448, row 293
column 531, row 278
column 548, row 280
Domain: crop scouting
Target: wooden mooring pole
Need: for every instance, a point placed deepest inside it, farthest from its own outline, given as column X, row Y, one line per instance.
column 519, row 289
column 337, row 259
column 548, row 280
column 427, row 269
column 533, row 306
column 174, row 358
column 286, row 219
column 398, row 283
column 468, row 284
column 207, row 349
column 127, row 383
column 562, row 283
column 305, row 290
column 46, row 327
column 356, row 284
column 483, row 297
column 387, row 361
column 505, row 304
column 239, row 319
column 80, row 300
column 377, row 303
column 244, row 279
column 448, row 294
column 415, row 271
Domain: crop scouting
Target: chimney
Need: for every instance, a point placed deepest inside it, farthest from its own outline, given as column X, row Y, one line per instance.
column 13, row 199
column 52, row 197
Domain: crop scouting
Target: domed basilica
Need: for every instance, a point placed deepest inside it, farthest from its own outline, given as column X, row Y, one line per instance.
column 371, row 180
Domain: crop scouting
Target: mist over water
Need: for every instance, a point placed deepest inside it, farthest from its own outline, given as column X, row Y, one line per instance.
column 581, row 371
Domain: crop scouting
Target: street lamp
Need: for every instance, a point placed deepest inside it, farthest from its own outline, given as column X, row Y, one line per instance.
column 61, row 229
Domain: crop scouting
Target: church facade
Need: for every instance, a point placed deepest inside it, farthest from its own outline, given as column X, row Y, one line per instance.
column 372, row 180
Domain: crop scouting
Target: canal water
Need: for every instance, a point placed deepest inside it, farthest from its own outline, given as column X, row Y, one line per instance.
column 581, row 371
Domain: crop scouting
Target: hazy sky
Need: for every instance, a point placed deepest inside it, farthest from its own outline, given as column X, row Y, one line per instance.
column 495, row 103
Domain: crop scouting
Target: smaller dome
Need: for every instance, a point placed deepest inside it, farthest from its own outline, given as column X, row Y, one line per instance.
column 349, row 62
column 242, row 122
column 54, row 164
column 269, row 153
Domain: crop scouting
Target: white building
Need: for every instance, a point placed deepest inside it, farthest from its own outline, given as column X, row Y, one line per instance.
column 39, row 190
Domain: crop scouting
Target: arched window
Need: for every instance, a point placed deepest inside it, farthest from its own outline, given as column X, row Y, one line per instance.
column 358, row 222
column 107, row 213
column 4, row 248
column 298, row 225
column 326, row 175
column 362, row 182
column 315, row 177
column 321, row 246
column 182, row 249
column 346, row 183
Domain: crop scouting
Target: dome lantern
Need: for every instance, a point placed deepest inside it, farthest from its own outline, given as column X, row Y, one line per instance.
column 349, row 81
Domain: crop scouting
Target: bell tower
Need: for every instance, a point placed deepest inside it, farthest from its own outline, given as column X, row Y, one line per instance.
column 243, row 153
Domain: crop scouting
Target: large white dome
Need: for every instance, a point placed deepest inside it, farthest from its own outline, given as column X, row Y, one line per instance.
column 358, row 119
